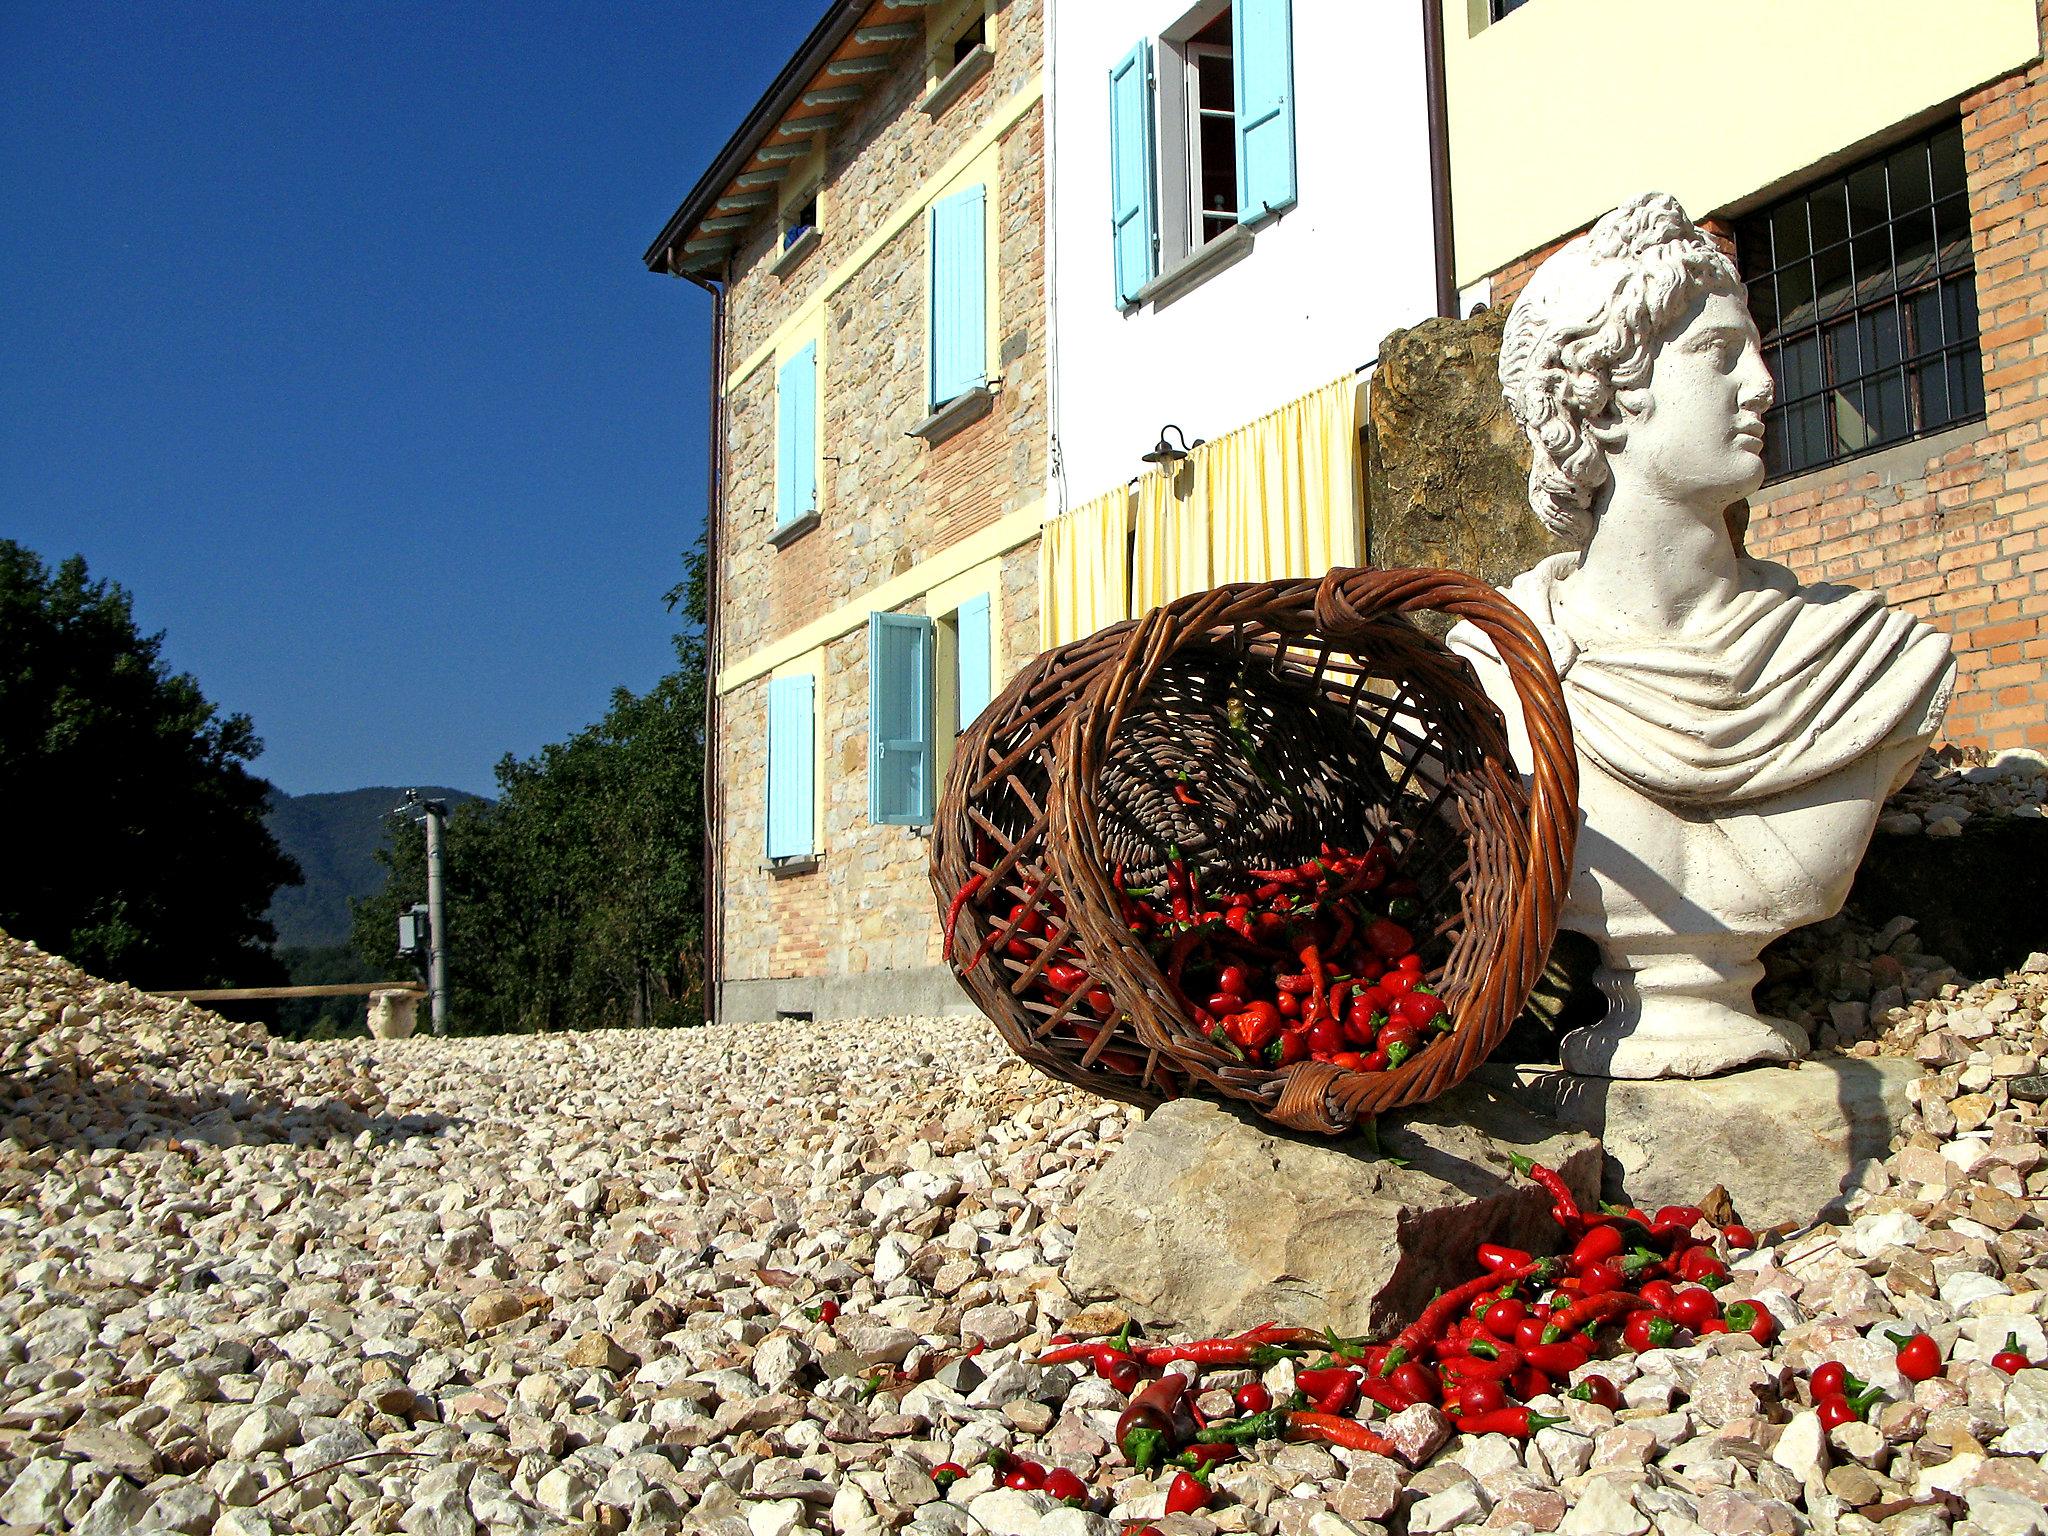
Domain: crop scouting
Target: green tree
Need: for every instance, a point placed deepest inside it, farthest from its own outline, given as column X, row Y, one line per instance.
column 139, row 850
column 576, row 899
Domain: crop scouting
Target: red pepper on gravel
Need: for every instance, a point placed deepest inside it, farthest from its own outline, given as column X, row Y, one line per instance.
column 1831, row 1378
column 1146, row 1426
column 1588, row 1311
column 1063, row 1485
column 946, row 1473
column 1647, row 1330
column 1597, row 1390
column 1919, row 1357
column 1253, row 1397
column 2009, row 1359
column 1747, row 1317
column 1346, row 1434
column 1187, row 1493
column 1517, row 1423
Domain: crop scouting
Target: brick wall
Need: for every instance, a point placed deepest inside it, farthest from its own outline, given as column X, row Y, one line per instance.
column 887, row 503
column 1954, row 528
column 1957, row 532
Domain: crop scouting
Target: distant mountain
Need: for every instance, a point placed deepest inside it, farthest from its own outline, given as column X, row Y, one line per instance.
column 335, row 838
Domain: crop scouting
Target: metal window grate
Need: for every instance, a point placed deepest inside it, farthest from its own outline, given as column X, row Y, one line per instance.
column 1865, row 291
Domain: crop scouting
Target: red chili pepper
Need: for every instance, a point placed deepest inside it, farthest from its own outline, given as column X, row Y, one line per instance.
column 1145, row 1427
column 1587, row 1313
column 1485, row 1395
column 960, row 899
column 1658, row 1293
column 1605, row 1241
column 1416, row 1382
column 946, row 1473
column 1700, row 1262
column 1386, row 1394
column 1025, row 1476
column 1347, row 1434
column 2008, row 1359
column 1747, row 1317
column 1187, row 1493
column 1686, row 1216
column 1738, row 1236
column 1418, row 1009
column 1497, row 1256
column 1831, row 1378
column 1693, row 1306
column 1648, row 1330
column 1919, row 1357
column 1833, row 1412
column 1564, row 1205
column 1598, row 1390
column 1253, row 1397
column 1061, row 1484
column 1387, row 938
column 1517, row 1423
column 1426, row 1329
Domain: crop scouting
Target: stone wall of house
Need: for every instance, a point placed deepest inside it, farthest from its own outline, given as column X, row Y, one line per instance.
column 1954, row 527
column 888, row 502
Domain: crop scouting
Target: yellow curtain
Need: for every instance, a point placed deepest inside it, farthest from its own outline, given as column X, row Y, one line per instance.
column 1084, row 569
column 1278, row 497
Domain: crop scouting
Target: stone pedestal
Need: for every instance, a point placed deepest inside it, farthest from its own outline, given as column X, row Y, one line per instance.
column 1780, row 1140
column 1209, row 1221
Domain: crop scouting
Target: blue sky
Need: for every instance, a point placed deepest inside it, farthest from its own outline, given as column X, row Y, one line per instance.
column 326, row 335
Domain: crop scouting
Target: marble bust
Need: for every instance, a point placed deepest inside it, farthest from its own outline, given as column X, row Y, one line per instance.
column 1737, row 731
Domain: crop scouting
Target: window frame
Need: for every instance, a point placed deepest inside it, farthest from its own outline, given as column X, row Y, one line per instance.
column 1825, row 281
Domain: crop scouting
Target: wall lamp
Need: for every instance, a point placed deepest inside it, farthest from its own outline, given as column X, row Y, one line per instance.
column 1165, row 453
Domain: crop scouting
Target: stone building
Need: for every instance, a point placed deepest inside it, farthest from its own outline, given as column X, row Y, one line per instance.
column 1880, row 168
column 873, row 236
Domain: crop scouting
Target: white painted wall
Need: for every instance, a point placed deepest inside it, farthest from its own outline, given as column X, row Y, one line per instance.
column 1323, row 283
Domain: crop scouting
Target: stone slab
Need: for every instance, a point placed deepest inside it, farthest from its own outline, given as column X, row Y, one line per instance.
column 1781, row 1140
column 1209, row 1219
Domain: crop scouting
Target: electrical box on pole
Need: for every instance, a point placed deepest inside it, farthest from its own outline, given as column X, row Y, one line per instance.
column 434, row 814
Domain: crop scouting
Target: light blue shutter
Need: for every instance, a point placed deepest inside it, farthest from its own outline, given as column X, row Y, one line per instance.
column 972, row 651
column 959, row 279
column 1132, row 221
column 1262, row 50
column 796, row 437
column 901, row 764
column 791, row 752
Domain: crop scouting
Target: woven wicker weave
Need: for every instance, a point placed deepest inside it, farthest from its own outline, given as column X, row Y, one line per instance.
column 1297, row 713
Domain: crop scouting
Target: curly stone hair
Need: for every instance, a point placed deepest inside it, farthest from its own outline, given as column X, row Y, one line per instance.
column 1582, row 336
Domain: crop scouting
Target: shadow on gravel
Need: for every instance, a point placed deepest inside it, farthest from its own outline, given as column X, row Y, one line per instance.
column 53, row 1110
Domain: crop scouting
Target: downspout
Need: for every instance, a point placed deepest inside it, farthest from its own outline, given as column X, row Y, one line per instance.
column 1439, row 156
column 713, row 850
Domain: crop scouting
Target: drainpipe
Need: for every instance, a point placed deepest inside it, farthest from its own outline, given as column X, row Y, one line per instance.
column 713, row 854
column 1439, row 156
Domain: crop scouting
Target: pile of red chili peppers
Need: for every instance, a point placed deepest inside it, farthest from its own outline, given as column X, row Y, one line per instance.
column 1627, row 1281
column 1312, row 962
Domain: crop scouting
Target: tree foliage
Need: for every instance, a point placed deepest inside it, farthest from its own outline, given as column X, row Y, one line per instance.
column 576, row 898
column 139, row 847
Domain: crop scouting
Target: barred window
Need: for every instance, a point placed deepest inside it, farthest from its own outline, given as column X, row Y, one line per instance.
column 1866, row 295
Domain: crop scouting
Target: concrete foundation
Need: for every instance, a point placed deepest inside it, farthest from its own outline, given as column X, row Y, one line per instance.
column 924, row 992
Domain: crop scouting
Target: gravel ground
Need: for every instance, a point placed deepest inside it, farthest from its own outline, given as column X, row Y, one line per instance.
column 556, row 1283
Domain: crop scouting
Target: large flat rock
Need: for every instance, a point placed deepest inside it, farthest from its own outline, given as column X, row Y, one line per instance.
column 1210, row 1220
column 1781, row 1140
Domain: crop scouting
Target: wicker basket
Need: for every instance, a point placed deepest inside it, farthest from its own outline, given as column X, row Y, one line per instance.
column 1297, row 713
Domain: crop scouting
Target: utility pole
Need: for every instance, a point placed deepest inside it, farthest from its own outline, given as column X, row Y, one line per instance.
column 434, row 814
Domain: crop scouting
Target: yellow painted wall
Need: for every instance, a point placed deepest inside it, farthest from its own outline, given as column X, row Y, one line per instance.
column 1567, row 107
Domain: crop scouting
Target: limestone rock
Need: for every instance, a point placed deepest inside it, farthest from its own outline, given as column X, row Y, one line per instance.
column 1780, row 1140
column 1212, row 1222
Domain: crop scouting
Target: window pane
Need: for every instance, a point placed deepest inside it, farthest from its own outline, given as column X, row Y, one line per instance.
column 1831, row 275
column 1806, row 435
column 1946, row 151
column 1909, row 179
column 1952, row 227
column 1763, row 304
column 1879, row 335
column 1867, row 206
column 1929, row 384
column 1800, row 364
column 1928, row 326
column 1852, row 432
column 1828, row 212
column 1795, row 295
column 1845, row 359
column 1788, row 233
column 1965, row 383
column 1884, row 399
column 1913, row 247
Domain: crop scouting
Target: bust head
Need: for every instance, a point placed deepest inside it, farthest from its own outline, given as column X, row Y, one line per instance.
column 1633, row 344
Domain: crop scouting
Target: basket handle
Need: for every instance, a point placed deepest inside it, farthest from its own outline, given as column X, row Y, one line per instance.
column 1350, row 600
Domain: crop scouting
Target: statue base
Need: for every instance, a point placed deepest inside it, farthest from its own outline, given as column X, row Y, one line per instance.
column 1684, row 1013
column 1211, row 1220
column 1782, row 1141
